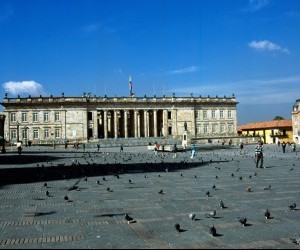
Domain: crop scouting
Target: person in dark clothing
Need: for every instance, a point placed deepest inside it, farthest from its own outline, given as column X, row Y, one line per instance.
column 283, row 144
column 259, row 154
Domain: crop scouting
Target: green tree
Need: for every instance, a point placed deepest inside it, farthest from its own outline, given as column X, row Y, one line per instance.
column 278, row 117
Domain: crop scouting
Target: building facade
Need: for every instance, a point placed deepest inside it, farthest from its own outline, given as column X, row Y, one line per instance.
column 48, row 119
column 269, row 131
column 296, row 121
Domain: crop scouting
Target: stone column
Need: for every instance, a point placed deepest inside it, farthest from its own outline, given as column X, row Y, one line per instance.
column 125, row 123
column 155, row 122
column 165, row 122
column 105, row 123
column 116, row 123
column 146, row 123
column 138, row 124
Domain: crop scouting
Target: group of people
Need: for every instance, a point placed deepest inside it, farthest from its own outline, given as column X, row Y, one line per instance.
column 174, row 150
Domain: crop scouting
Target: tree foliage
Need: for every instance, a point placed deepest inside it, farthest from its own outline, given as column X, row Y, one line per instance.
column 278, row 117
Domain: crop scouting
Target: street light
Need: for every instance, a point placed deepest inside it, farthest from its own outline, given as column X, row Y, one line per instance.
column 2, row 119
column 18, row 124
column 26, row 136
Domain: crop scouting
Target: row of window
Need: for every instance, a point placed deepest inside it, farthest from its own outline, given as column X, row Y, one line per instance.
column 214, row 128
column 35, row 117
column 213, row 114
column 35, row 134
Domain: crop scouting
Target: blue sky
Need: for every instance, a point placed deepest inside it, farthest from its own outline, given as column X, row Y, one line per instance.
column 249, row 48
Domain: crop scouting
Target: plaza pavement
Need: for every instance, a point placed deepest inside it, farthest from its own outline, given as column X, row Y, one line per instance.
column 93, row 217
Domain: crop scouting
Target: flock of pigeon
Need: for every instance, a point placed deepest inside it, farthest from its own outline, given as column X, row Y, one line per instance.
column 148, row 158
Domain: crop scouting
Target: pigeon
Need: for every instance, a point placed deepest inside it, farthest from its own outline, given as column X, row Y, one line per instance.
column 217, row 177
column 221, row 204
column 66, row 198
column 213, row 187
column 47, row 193
column 129, row 219
column 241, row 177
column 232, row 175
column 207, row 194
column 161, row 191
column 295, row 240
column 267, row 188
column 158, row 175
column 192, row 216
column 249, row 189
column 242, row 220
column 98, row 182
column 195, row 176
column 211, row 214
column 85, row 178
column 267, row 214
column 45, row 184
column 293, row 206
column 103, row 178
column 177, row 227
column 108, row 189
column 213, row 231
column 181, row 175
column 129, row 181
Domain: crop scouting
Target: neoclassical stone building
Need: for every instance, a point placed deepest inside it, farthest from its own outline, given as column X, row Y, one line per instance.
column 48, row 119
column 296, row 121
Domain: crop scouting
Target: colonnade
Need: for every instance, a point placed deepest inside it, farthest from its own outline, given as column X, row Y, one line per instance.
column 131, row 123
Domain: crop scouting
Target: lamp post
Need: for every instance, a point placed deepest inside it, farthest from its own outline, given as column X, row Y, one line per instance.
column 26, row 136
column 2, row 119
column 18, row 125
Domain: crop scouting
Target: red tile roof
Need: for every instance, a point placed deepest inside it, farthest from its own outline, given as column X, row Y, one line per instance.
column 266, row 125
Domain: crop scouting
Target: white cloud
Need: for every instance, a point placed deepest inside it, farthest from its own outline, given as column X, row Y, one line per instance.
column 95, row 27
column 184, row 70
column 258, row 4
column 23, row 87
column 266, row 45
column 261, row 91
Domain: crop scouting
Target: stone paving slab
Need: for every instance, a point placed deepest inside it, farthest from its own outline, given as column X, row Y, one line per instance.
column 93, row 217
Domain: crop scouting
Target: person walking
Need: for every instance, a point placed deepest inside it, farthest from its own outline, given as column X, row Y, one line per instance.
column 174, row 149
column 19, row 147
column 283, row 144
column 241, row 148
column 121, row 149
column 193, row 151
column 294, row 147
column 259, row 154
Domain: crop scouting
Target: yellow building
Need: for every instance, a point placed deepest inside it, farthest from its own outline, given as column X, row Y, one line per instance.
column 269, row 131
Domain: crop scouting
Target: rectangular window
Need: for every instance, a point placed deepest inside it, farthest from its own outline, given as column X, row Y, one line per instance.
column 205, row 114
column 46, row 117
column 197, row 114
column 24, row 117
column 13, row 117
column 57, row 133
column 197, row 129
column 13, row 134
column 57, row 116
column 221, row 114
column 230, row 128
column 213, row 114
column 35, row 117
column 205, row 129
column 35, row 134
column 46, row 133
column 214, row 128
column 222, row 128
column 229, row 114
